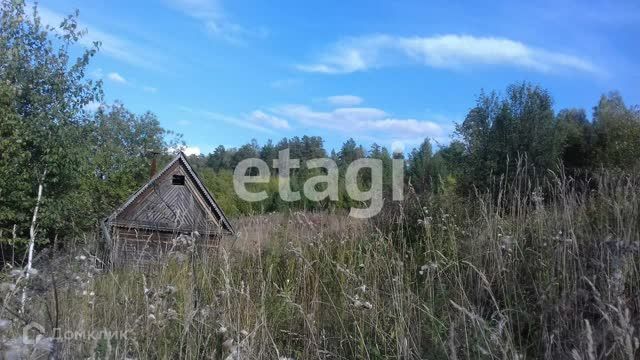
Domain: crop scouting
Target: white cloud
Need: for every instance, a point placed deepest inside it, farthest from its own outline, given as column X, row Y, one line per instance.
column 275, row 122
column 345, row 100
column 363, row 122
column 408, row 126
column 285, row 83
column 94, row 106
column 191, row 150
column 188, row 150
column 240, row 122
column 111, row 45
column 215, row 21
column 257, row 120
column 442, row 51
column 397, row 146
column 150, row 89
column 115, row 77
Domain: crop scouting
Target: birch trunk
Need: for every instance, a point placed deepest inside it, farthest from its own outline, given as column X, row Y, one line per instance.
column 32, row 237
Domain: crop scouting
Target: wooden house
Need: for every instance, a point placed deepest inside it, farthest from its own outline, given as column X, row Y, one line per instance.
column 172, row 209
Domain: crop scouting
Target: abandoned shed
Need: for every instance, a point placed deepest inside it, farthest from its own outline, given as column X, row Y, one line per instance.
column 172, row 208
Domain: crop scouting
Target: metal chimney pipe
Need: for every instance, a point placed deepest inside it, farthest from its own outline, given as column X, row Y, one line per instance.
column 154, row 164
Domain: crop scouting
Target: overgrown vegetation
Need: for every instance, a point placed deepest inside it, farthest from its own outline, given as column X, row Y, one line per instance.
column 534, row 275
column 519, row 239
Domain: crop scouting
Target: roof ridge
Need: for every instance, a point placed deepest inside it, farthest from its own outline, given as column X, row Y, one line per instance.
column 181, row 156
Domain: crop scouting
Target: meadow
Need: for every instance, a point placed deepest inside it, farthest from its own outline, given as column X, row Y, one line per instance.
column 503, row 274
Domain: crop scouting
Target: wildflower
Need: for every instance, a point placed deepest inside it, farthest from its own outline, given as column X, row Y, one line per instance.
column 234, row 355
column 172, row 314
column 222, row 329
column 170, row 290
column 361, row 304
column 506, row 242
column 228, row 344
column 7, row 287
column 92, row 294
column 151, row 317
column 430, row 266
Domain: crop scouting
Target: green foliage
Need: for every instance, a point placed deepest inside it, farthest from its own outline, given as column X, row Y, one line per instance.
column 15, row 190
column 120, row 144
column 617, row 131
column 87, row 162
column 577, row 138
column 49, row 93
column 497, row 131
column 421, row 167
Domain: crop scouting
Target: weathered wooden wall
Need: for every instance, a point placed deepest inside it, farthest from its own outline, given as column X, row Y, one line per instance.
column 141, row 247
column 169, row 207
column 145, row 228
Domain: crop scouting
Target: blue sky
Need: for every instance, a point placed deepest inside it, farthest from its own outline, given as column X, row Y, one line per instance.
column 224, row 72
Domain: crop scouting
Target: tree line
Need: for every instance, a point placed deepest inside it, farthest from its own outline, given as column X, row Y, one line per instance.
column 86, row 162
column 519, row 128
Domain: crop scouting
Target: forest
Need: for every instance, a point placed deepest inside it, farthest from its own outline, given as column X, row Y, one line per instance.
column 517, row 173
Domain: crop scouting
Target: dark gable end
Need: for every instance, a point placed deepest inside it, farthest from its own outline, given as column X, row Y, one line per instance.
column 174, row 200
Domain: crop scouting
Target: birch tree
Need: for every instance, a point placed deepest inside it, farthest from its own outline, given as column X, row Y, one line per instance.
column 48, row 93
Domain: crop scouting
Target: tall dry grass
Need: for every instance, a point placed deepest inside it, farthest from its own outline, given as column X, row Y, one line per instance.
column 528, row 270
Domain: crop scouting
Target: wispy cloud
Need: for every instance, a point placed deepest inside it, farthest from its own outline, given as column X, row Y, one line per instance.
column 364, row 122
column 215, row 21
column 117, row 78
column 111, row 45
column 237, row 121
column 150, row 89
column 345, row 100
column 260, row 117
column 245, row 122
column 442, row 51
column 285, row 83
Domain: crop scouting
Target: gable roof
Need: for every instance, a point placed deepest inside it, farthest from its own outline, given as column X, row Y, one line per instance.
column 182, row 160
